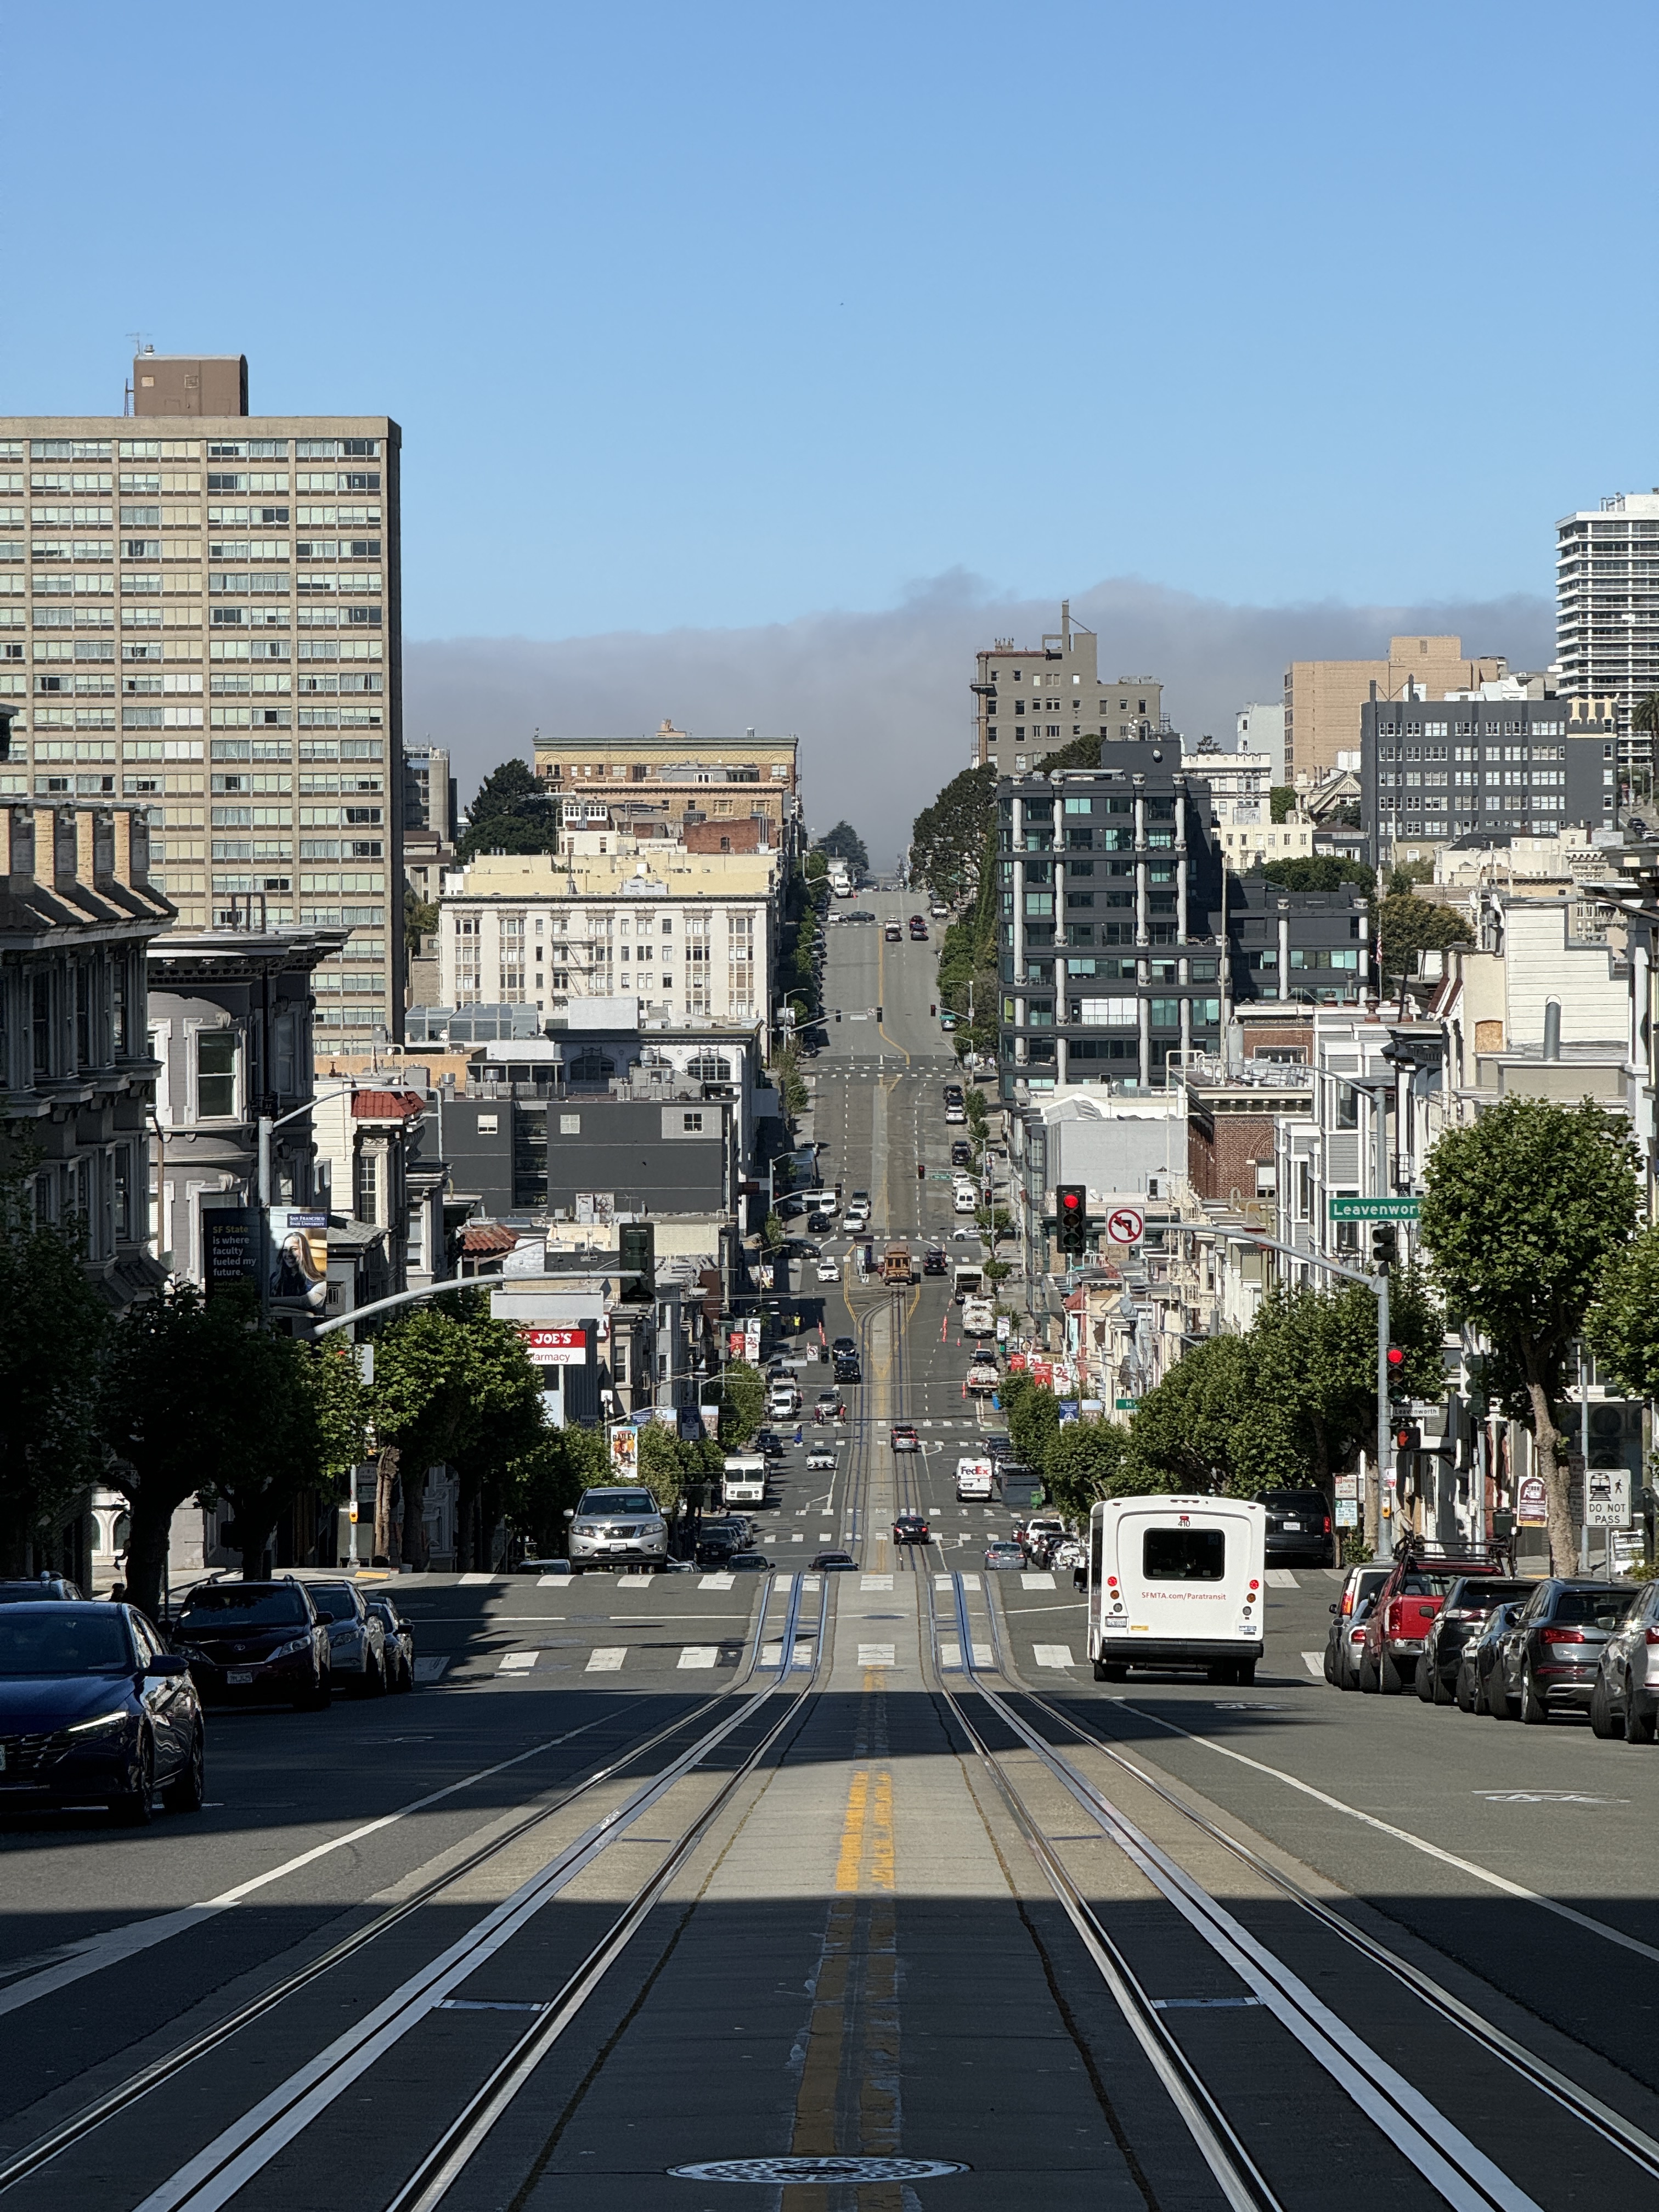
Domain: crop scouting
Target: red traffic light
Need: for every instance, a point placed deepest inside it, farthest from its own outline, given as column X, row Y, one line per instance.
column 1396, row 1358
column 1071, row 1200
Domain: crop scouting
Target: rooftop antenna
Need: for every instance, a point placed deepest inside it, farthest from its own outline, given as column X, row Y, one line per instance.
column 137, row 337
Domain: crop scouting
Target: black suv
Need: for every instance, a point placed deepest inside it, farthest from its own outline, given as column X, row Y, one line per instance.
column 847, row 1369
column 932, row 1261
column 263, row 1640
column 1299, row 1531
column 1468, row 1601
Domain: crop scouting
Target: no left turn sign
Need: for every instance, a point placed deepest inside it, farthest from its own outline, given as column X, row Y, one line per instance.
column 1125, row 1225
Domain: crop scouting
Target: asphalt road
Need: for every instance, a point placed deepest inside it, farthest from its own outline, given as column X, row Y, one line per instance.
column 653, row 1875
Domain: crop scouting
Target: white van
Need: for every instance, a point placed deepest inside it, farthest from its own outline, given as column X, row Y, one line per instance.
column 744, row 1479
column 1177, row 1581
column 966, row 1199
column 973, row 1480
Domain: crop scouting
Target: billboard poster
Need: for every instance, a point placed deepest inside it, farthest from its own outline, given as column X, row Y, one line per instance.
column 625, row 1451
column 299, row 1257
column 230, row 1247
column 1531, row 1502
column 739, row 1340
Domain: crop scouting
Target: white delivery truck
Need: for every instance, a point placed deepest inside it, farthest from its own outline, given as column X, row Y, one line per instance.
column 983, row 1376
column 743, row 1481
column 967, row 1281
column 973, row 1480
column 1176, row 1582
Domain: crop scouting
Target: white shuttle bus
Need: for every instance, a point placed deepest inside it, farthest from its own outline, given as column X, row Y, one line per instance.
column 1176, row 1582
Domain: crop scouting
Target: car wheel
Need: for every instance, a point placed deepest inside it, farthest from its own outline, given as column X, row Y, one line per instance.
column 405, row 1675
column 377, row 1683
column 1345, row 1677
column 1533, row 1708
column 1438, row 1693
column 1367, row 1674
column 1424, row 1679
column 1393, row 1678
column 1464, row 1690
column 185, row 1793
column 1601, row 1714
column 135, row 1808
column 1481, row 1697
column 1638, row 1725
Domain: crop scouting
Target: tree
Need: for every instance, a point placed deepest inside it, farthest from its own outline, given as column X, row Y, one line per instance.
column 52, row 1327
column 194, row 1401
column 511, row 813
column 1321, row 871
column 1182, row 1435
column 1408, row 874
column 1281, row 800
column 1407, row 926
column 742, row 1402
column 553, row 1473
column 422, row 1400
column 505, row 1395
column 818, row 865
column 1523, row 1210
column 843, row 842
column 1033, row 1424
column 1622, row 1328
column 420, row 920
column 1087, row 1461
column 951, row 840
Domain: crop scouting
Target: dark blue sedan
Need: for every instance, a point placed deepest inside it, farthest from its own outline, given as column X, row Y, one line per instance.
column 94, row 1711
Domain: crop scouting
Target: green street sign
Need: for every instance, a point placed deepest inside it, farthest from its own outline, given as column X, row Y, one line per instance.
column 1125, row 1405
column 1375, row 1209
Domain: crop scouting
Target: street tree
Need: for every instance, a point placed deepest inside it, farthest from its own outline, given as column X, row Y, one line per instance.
column 1523, row 1210
column 951, row 839
column 194, row 1401
column 1087, row 1460
column 505, row 1394
column 742, row 1402
column 1622, row 1327
column 52, row 1327
column 1183, row 1437
column 421, row 1401
column 1033, row 1424
column 1407, row 926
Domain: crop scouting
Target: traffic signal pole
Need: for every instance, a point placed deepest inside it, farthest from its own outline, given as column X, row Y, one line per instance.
column 1378, row 1287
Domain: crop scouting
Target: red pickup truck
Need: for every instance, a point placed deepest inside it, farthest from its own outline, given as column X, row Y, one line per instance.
column 1414, row 1592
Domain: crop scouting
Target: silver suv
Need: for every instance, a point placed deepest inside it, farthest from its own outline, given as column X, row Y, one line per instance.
column 617, row 1527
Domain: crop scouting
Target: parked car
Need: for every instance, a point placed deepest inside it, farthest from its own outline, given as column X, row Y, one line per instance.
column 833, row 1563
column 828, row 1271
column 747, row 1563
column 1300, row 1528
column 1468, row 1601
column 962, row 1153
column 911, row 1529
column 1406, row 1604
column 399, row 1642
column 904, row 1437
column 617, row 1527
column 1552, row 1654
column 256, row 1639
column 92, row 1710
column 1477, row 1663
column 1004, row 1551
column 1624, row 1699
column 1040, row 1535
column 43, row 1589
column 357, row 1638
column 1347, row 1628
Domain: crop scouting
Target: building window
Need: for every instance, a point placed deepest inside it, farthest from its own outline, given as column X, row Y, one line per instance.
column 216, row 1074
column 41, row 1024
column 367, row 1186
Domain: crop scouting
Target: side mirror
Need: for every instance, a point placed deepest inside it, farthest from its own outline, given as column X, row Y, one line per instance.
column 169, row 1663
column 569, row 1512
column 1332, row 1608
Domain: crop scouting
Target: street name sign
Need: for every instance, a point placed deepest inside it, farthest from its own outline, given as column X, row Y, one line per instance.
column 1375, row 1209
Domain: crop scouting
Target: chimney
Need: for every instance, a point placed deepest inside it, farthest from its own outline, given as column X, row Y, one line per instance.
column 17, row 849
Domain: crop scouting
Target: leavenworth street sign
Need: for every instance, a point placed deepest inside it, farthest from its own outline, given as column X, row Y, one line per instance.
column 1375, row 1209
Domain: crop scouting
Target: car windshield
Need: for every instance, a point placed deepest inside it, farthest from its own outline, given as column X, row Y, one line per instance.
column 333, row 1600
column 70, row 1640
column 1295, row 1501
column 242, row 1605
column 1481, row 1592
column 616, row 1501
column 1592, row 1608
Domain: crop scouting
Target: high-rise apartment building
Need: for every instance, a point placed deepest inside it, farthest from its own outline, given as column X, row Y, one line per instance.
column 1322, row 698
column 1606, row 615
column 430, row 791
column 1028, row 702
column 199, row 608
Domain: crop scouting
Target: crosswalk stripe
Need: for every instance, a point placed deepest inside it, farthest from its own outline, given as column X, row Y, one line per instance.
column 606, row 1659
column 516, row 1662
column 1315, row 1662
column 1053, row 1655
column 699, row 1655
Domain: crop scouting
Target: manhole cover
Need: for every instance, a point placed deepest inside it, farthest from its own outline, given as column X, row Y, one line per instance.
column 817, row 2169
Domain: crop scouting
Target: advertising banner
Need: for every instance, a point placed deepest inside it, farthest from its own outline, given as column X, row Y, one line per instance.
column 230, row 1247
column 299, row 1257
column 625, row 1451
column 1531, row 1502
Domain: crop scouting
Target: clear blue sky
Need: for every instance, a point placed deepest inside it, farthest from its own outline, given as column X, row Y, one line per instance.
column 717, row 315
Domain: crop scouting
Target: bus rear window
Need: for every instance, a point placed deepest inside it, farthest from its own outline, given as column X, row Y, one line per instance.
column 1184, row 1555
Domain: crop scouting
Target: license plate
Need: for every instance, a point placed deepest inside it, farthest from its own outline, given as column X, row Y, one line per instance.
column 1292, row 1524
column 239, row 1676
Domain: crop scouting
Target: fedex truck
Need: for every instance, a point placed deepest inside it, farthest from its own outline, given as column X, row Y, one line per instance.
column 973, row 1480
column 1177, row 1581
